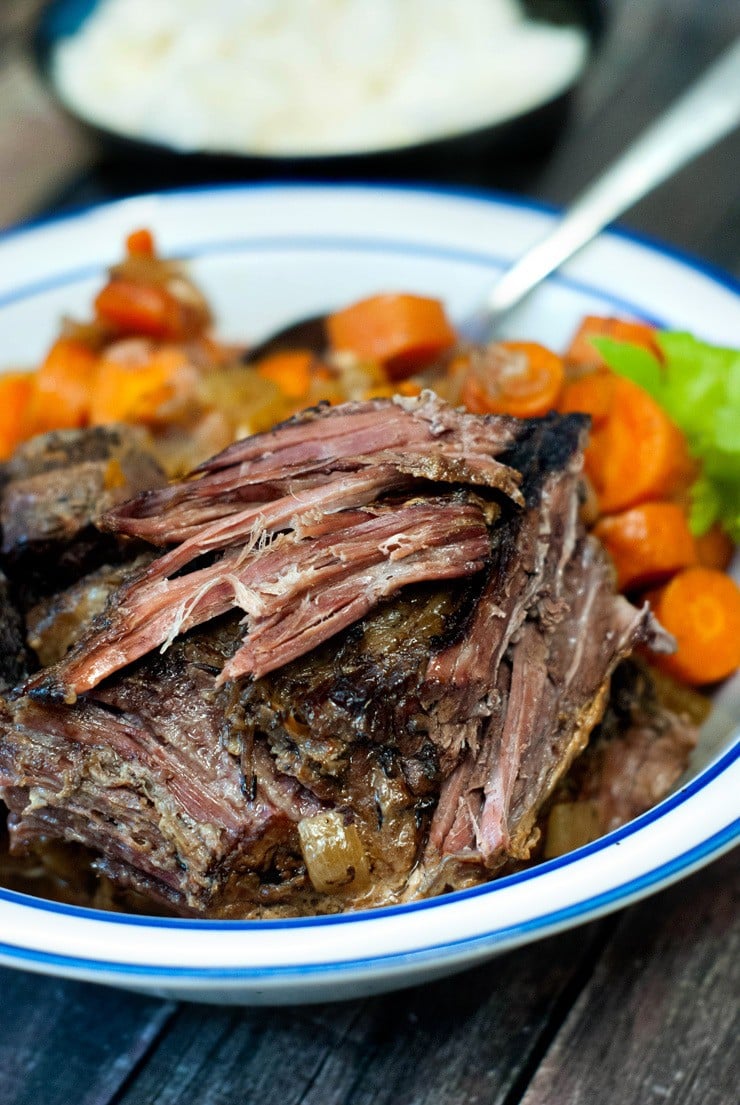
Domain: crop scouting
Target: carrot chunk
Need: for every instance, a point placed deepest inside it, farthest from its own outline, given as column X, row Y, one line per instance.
column 701, row 608
column 409, row 388
column 714, row 549
column 140, row 243
column 61, row 392
column 591, row 394
column 638, row 454
column 145, row 392
column 648, row 543
column 291, row 371
column 525, row 382
column 402, row 332
column 145, row 309
column 16, row 392
column 582, row 354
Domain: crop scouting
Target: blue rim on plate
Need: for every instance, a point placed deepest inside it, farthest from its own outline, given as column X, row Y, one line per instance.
column 592, row 907
column 350, row 245
column 483, row 195
column 455, row 948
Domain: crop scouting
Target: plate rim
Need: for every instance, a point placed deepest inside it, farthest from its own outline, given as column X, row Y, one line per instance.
column 485, row 195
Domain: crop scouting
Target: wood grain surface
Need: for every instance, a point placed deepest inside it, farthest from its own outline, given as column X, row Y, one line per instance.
column 660, row 1018
column 641, row 1008
column 41, row 151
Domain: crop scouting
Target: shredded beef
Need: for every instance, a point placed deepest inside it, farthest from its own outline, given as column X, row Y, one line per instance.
column 638, row 753
column 429, row 641
column 417, row 438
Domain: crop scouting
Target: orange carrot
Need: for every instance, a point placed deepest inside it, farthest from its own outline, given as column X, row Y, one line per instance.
column 386, row 391
column 291, row 371
column 16, row 391
column 590, row 394
column 701, row 608
column 714, row 549
column 638, row 454
column 582, row 354
column 648, row 543
column 380, row 391
column 126, row 392
column 61, row 392
column 145, row 309
column 525, row 382
column 402, row 332
column 140, row 243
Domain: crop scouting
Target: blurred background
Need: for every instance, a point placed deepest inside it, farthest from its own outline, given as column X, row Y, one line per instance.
column 103, row 98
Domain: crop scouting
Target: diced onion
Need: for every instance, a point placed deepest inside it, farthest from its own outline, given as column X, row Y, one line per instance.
column 569, row 826
column 333, row 853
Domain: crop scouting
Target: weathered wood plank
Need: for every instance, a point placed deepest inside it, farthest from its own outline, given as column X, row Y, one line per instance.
column 463, row 1040
column 65, row 1042
column 659, row 1022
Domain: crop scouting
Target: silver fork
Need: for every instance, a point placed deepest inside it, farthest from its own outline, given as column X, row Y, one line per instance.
column 708, row 111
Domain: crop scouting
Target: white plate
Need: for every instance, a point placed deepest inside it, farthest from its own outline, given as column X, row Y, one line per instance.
column 267, row 255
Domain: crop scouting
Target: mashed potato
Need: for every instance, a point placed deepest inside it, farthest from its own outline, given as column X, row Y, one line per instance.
column 310, row 76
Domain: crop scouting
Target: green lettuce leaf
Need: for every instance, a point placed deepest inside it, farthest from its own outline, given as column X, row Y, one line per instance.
column 698, row 386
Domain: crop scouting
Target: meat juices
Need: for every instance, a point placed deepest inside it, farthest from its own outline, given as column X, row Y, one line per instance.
column 431, row 722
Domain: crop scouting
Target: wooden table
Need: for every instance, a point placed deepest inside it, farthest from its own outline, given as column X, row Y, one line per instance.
column 641, row 1007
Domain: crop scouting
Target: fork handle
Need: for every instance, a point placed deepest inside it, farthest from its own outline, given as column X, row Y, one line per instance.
column 705, row 113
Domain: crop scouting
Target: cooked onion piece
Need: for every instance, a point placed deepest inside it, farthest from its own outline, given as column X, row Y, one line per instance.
column 571, row 825
column 333, row 852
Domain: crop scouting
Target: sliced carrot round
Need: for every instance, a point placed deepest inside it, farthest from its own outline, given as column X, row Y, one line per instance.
column 592, row 394
column 582, row 353
column 522, row 379
column 141, row 392
column 402, row 332
column 532, row 387
column 701, row 608
column 638, row 454
column 648, row 543
column 150, row 310
column 290, row 370
column 141, row 309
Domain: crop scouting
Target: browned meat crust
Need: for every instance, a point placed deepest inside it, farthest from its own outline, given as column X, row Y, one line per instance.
column 15, row 658
column 436, row 725
column 54, row 489
column 149, row 774
column 58, row 621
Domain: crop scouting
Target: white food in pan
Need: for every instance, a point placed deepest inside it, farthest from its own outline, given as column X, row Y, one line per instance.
column 310, row 76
